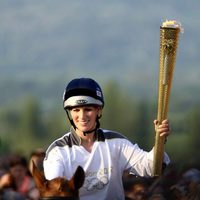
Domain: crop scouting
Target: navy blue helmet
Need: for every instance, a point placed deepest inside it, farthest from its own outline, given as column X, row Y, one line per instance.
column 82, row 91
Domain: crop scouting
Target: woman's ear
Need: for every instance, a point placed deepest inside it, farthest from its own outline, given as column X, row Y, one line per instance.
column 99, row 112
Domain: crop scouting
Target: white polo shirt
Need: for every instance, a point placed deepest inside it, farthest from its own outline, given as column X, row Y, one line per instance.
column 111, row 155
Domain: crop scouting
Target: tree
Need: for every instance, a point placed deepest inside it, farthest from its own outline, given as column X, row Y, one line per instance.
column 31, row 119
column 125, row 115
column 193, row 131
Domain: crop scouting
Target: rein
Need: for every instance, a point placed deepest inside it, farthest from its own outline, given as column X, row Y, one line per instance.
column 58, row 198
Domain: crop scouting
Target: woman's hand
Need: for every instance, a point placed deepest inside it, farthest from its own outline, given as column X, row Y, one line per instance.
column 163, row 129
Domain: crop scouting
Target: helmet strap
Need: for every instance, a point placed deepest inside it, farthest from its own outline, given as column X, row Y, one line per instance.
column 71, row 121
column 94, row 130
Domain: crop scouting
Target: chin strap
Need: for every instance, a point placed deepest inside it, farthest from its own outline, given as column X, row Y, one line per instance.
column 94, row 130
column 71, row 121
column 85, row 132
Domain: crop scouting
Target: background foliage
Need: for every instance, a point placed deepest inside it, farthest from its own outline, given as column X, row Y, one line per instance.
column 25, row 127
column 44, row 44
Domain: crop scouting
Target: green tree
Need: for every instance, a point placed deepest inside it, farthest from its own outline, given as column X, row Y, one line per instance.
column 125, row 115
column 31, row 123
column 193, row 131
column 9, row 120
column 143, row 126
column 56, row 124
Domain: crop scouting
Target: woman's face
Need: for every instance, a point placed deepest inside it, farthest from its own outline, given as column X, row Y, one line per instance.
column 84, row 117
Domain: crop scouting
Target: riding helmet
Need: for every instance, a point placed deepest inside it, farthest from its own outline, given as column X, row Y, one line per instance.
column 82, row 91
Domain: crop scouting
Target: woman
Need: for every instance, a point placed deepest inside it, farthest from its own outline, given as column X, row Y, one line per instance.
column 103, row 154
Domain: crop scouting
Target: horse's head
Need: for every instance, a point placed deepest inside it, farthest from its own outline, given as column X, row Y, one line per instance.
column 58, row 188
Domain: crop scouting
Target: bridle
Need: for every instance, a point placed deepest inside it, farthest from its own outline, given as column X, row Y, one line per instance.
column 58, row 198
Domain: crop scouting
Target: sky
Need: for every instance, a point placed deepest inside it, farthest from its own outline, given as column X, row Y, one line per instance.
column 48, row 42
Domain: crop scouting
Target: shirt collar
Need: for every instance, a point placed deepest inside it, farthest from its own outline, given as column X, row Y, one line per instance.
column 77, row 140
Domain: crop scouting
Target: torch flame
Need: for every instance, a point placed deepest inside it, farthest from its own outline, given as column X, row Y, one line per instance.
column 173, row 24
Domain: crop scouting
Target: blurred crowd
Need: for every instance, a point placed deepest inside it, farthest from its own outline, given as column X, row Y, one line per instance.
column 172, row 185
column 16, row 182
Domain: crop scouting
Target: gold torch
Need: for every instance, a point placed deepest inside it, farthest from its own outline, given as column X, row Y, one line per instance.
column 169, row 35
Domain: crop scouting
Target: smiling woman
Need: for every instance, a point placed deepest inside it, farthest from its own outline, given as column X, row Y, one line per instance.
column 104, row 155
column 84, row 118
column 84, row 92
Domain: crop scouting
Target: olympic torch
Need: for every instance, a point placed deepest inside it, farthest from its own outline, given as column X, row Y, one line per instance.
column 169, row 35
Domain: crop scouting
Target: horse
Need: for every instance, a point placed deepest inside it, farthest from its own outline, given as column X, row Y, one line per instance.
column 58, row 188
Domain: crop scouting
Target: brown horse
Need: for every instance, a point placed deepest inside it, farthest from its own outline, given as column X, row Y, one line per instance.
column 58, row 188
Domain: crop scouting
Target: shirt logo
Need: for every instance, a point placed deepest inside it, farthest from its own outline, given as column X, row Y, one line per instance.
column 97, row 180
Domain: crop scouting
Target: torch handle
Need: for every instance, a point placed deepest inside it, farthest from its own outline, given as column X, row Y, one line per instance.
column 168, row 48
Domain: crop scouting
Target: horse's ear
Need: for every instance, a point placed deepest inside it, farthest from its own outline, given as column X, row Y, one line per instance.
column 78, row 177
column 38, row 177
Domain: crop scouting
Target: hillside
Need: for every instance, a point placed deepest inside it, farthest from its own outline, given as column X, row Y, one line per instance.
column 46, row 43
